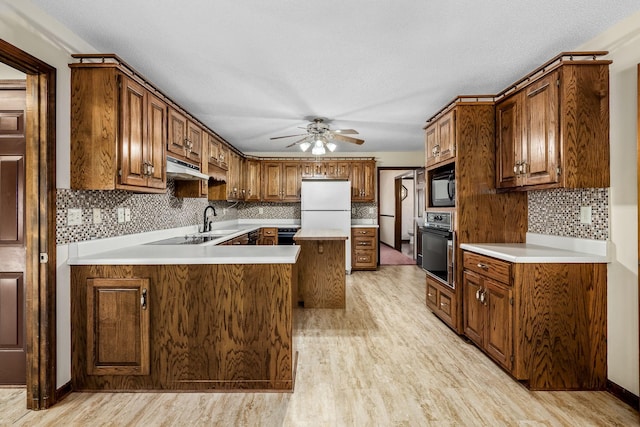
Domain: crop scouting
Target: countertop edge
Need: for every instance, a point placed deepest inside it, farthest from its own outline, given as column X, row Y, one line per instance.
column 566, row 257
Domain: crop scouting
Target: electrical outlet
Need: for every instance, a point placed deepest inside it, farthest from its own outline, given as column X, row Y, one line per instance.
column 353, row 211
column 371, row 210
column 74, row 216
column 585, row 214
column 97, row 216
column 127, row 215
column 120, row 215
column 260, row 211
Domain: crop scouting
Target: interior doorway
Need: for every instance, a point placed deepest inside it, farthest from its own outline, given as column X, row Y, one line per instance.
column 39, row 214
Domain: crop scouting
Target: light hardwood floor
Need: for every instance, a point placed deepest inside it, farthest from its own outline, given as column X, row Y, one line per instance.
column 384, row 361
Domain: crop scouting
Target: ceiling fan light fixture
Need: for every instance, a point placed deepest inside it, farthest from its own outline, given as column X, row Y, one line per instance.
column 318, row 150
column 305, row 146
column 331, row 146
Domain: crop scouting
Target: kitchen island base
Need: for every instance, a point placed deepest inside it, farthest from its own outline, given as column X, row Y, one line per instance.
column 209, row 327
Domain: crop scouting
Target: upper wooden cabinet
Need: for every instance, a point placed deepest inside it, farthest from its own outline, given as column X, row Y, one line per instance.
column 281, row 181
column 185, row 137
column 328, row 169
column 553, row 131
column 235, row 190
column 362, row 174
column 440, row 137
column 252, row 180
column 117, row 133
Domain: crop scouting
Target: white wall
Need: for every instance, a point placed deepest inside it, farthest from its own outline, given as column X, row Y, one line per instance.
column 623, row 43
column 26, row 27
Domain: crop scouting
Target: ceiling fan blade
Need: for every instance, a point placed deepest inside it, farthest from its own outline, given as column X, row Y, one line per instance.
column 297, row 142
column 348, row 139
column 287, row 136
column 346, row 131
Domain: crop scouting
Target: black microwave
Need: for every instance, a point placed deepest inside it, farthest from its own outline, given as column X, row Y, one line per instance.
column 443, row 189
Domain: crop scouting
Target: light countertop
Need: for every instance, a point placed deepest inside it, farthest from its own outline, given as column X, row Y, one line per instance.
column 533, row 253
column 320, row 234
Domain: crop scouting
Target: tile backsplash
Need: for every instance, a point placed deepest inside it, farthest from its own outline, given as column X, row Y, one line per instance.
column 150, row 212
column 557, row 212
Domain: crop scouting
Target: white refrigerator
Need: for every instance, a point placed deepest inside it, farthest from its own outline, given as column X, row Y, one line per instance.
column 327, row 204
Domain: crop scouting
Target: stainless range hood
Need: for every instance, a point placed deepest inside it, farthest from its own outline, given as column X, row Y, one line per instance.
column 177, row 169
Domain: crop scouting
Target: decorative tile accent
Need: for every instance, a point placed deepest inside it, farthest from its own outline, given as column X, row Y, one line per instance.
column 557, row 212
column 151, row 212
column 148, row 212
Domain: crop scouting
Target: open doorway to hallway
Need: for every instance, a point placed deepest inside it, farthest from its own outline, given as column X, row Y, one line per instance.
column 396, row 215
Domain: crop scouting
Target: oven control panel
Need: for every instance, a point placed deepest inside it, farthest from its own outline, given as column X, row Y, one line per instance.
column 439, row 220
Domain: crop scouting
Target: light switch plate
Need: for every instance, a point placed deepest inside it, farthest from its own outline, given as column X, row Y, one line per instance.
column 260, row 211
column 74, row 216
column 127, row 215
column 120, row 214
column 585, row 214
column 371, row 210
column 97, row 216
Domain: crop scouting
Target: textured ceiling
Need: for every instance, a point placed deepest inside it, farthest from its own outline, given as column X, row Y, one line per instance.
column 254, row 69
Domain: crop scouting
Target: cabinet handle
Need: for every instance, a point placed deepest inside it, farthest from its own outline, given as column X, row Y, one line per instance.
column 429, row 294
column 515, row 168
column 478, row 294
column 443, row 304
column 482, row 298
column 523, row 167
column 143, row 299
column 483, row 266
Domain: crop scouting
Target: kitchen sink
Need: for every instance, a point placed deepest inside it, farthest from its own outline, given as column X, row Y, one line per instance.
column 184, row 240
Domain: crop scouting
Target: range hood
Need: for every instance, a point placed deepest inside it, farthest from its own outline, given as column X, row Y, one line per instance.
column 184, row 171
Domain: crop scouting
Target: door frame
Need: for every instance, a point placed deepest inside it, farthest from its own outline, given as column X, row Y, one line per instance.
column 40, row 217
column 409, row 169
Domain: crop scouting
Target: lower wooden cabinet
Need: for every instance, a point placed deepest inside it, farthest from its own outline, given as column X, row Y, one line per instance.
column 364, row 248
column 268, row 236
column 442, row 300
column 117, row 326
column 544, row 323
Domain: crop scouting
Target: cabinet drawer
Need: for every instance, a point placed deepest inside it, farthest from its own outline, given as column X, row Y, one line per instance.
column 269, row 232
column 357, row 232
column 445, row 304
column 364, row 242
column 432, row 295
column 364, row 257
column 490, row 267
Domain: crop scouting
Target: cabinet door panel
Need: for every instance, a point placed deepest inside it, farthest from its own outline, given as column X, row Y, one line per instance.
column 430, row 144
column 177, row 133
column 291, row 184
column 542, row 130
column 499, row 329
column 156, row 141
column 133, row 122
column 509, row 141
column 446, row 136
column 194, row 139
column 473, row 309
column 271, row 181
column 117, row 327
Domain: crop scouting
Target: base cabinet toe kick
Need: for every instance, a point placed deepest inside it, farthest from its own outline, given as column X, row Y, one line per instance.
column 183, row 327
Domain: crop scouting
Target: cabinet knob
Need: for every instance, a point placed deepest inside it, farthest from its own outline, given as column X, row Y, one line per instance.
column 483, row 266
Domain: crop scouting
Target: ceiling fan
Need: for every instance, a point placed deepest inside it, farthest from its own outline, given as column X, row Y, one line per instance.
column 320, row 138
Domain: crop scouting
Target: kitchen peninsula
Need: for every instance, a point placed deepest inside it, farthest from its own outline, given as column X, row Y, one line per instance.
column 322, row 269
column 183, row 317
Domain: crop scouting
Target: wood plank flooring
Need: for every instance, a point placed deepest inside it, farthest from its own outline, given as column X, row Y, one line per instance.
column 383, row 361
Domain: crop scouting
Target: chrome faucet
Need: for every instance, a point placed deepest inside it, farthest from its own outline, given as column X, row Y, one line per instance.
column 207, row 225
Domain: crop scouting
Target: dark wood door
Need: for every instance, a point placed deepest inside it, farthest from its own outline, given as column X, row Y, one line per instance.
column 499, row 319
column 473, row 308
column 509, row 141
column 12, row 234
column 133, row 117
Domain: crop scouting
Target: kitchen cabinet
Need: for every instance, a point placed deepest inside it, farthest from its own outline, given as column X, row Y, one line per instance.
column 217, row 153
column 553, row 131
column 117, row 326
column 362, row 174
column 252, row 180
column 544, row 323
column 239, row 240
column 281, row 181
column 443, row 301
column 235, row 190
column 117, row 133
column 481, row 214
column 185, row 138
column 364, row 248
column 268, row 236
column 440, row 139
column 326, row 169
column 488, row 313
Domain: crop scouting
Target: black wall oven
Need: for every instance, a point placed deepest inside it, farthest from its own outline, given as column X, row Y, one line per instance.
column 438, row 243
column 285, row 235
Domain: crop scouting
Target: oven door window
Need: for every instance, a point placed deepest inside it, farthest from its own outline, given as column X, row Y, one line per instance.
column 434, row 253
